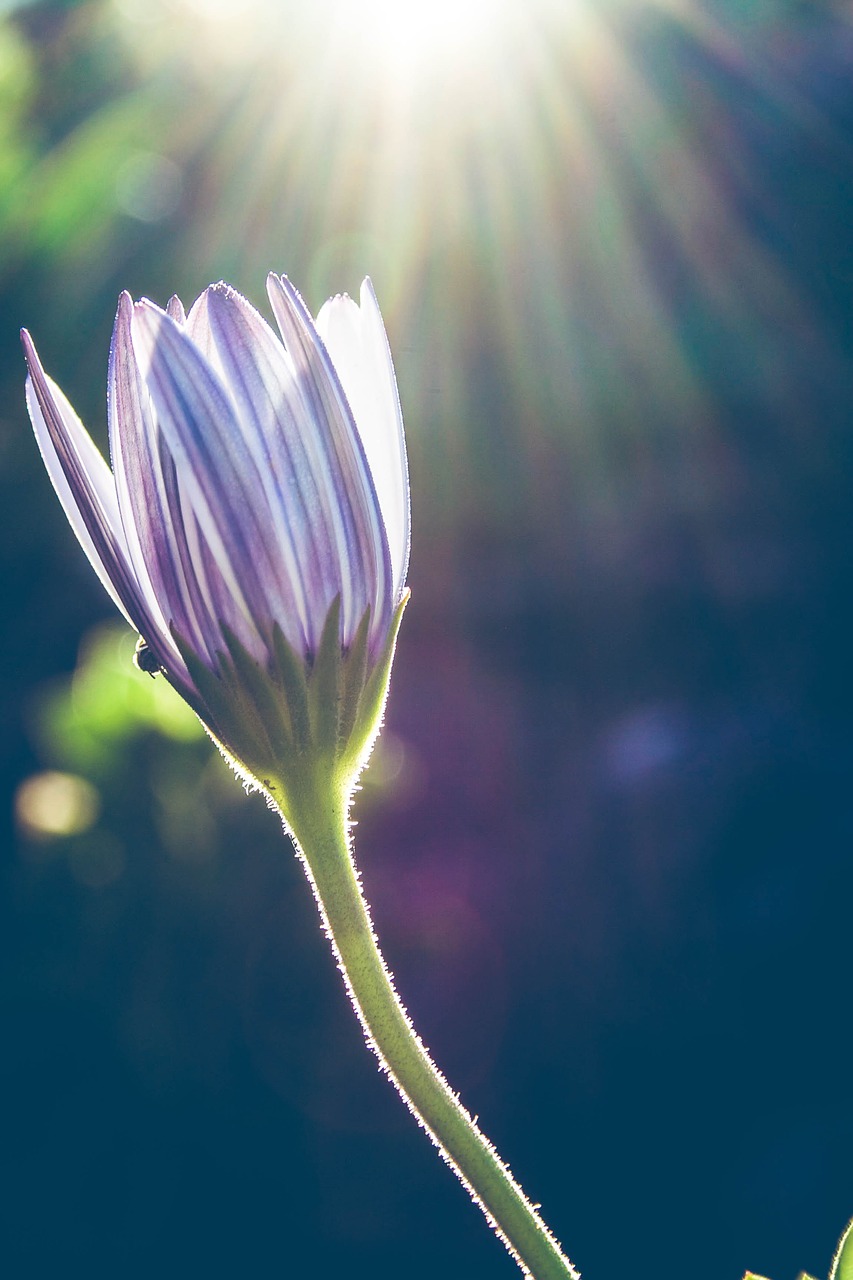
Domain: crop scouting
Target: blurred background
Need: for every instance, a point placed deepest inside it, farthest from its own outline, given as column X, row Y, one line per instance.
column 607, row 834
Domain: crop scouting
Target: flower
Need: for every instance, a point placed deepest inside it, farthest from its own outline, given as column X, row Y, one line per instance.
column 254, row 528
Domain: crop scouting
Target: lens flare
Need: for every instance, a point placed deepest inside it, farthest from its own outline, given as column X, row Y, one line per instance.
column 413, row 36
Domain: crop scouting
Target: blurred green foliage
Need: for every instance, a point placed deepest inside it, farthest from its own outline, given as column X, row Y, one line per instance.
column 16, row 90
column 87, row 720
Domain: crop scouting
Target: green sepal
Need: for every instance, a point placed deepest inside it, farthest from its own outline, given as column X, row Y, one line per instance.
column 324, row 685
column 216, row 707
column 290, row 678
column 842, row 1262
column 296, row 726
column 237, row 709
column 371, row 703
column 353, row 673
column 255, row 691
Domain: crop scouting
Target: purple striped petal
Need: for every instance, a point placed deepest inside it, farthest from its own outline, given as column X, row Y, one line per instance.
column 216, row 477
column 252, row 363
column 147, row 496
column 85, row 487
column 357, row 529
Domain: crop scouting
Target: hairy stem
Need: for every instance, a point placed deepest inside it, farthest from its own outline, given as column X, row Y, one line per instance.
column 321, row 832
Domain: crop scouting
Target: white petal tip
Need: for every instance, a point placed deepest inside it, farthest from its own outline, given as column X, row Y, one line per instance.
column 175, row 309
column 29, row 348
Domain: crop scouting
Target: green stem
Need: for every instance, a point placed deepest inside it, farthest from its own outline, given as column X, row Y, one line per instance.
column 320, row 830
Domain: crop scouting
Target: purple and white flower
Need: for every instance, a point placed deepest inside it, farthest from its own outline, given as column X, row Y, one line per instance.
column 256, row 481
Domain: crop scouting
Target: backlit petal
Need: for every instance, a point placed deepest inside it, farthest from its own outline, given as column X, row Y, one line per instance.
column 252, row 363
column 149, row 510
column 358, row 530
column 357, row 344
column 215, row 471
column 83, row 483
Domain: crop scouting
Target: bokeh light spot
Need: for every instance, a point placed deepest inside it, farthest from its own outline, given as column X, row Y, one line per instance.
column 51, row 804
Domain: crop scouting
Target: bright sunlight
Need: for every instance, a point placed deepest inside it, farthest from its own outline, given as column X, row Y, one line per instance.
column 415, row 36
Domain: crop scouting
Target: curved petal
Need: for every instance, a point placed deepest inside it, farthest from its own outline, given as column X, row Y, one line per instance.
column 216, row 475
column 83, row 484
column 356, row 341
column 252, row 363
column 150, row 516
column 359, row 532
column 175, row 309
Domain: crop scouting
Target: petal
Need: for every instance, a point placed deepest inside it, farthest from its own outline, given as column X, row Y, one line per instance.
column 356, row 341
column 217, row 477
column 147, row 498
column 85, row 487
column 359, row 533
column 83, row 484
column 253, row 364
column 175, row 309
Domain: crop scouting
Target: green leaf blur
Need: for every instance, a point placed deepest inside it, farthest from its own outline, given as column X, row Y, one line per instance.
column 108, row 702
